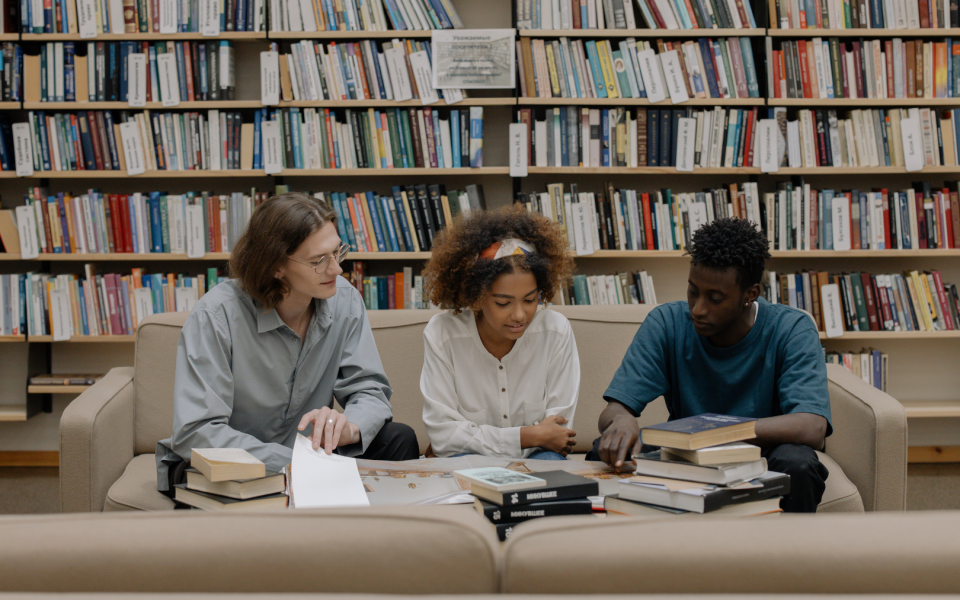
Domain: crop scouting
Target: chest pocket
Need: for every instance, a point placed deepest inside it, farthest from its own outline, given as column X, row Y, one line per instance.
column 534, row 412
column 479, row 417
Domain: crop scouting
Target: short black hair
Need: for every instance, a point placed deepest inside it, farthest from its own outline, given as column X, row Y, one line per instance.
column 727, row 243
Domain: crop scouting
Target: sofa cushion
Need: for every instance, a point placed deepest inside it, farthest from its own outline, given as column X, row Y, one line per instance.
column 155, row 363
column 413, row 549
column 137, row 488
column 892, row 553
column 840, row 494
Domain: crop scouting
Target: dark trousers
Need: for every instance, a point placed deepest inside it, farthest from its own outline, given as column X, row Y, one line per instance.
column 395, row 441
column 807, row 474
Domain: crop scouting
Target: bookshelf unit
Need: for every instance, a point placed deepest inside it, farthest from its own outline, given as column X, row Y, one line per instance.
column 922, row 371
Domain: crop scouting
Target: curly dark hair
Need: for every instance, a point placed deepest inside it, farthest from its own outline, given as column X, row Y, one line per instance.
column 729, row 243
column 455, row 279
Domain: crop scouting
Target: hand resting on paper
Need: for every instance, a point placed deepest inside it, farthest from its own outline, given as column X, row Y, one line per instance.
column 331, row 429
column 549, row 434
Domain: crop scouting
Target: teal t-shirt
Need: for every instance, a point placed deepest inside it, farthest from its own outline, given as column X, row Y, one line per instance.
column 777, row 369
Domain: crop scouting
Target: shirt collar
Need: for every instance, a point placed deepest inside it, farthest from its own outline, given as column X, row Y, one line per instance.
column 270, row 320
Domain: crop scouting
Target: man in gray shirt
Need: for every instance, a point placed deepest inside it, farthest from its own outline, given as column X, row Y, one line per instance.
column 250, row 377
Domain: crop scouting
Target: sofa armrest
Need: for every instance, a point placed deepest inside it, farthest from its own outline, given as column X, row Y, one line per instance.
column 869, row 439
column 96, row 441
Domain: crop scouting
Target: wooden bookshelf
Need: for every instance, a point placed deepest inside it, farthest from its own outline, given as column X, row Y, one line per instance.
column 918, row 253
column 202, row 174
column 101, row 339
column 905, row 102
column 641, row 33
column 30, row 458
column 933, row 454
column 9, row 106
column 947, row 170
column 932, row 409
column 12, row 339
column 864, row 33
column 145, row 37
column 168, row 257
column 893, row 335
column 13, row 413
column 57, row 389
column 9, row 37
column 642, row 171
column 348, row 35
column 241, row 104
column 638, row 102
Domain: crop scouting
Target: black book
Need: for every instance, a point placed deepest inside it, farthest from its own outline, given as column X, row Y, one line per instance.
column 418, row 225
column 426, row 214
column 772, row 484
column 287, row 139
column 361, row 145
column 434, row 192
column 560, row 486
column 477, row 200
column 213, row 73
column 676, row 114
column 465, row 138
column 504, row 530
column 525, row 512
column 666, row 146
column 601, row 221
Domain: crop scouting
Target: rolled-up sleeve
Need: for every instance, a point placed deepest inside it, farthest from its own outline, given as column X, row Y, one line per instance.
column 362, row 388
column 204, row 394
column 450, row 432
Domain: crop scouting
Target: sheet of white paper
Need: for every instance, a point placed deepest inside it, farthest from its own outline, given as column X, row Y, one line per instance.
column 27, row 227
column 87, row 18
column 832, row 318
column 423, row 73
column 132, row 148
column 269, row 78
column 686, row 144
column 650, row 71
column 272, row 162
column 210, row 17
column 319, row 480
column 137, row 70
column 169, row 80
column 912, row 144
column 840, row 212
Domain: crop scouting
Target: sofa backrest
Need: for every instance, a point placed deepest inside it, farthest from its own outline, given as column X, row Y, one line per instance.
column 413, row 549
column 603, row 334
column 881, row 552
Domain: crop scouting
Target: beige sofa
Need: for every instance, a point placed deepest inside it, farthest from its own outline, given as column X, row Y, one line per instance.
column 108, row 435
column 452, row 550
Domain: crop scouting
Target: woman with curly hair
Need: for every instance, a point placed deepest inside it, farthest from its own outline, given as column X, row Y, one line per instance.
column 500, row 377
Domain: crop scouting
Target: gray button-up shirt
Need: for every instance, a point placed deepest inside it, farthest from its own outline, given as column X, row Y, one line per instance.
column 244, row 380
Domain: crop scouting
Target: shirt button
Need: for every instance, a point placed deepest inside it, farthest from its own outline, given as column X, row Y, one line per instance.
column 504, row 416
column 501, row 367
column 503, row 389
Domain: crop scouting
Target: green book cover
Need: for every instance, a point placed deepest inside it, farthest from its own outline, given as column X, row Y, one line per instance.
column 453, row 198
column 204, row 202
column 366, row 294
column 364, row 124
column 835, row 62
column 856, row 286
column 407, row 140
column 620, row 69
column 324, row 143
column 581, row 294
column 728, row 69
column 394, row 139
column 668, row 196
column 212, row 277
column 164, row 223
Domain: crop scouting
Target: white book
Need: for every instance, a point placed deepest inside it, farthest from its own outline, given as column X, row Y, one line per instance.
column 594, row 219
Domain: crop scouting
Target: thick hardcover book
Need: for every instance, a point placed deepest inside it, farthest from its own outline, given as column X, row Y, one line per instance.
column 662, row 464
column 560, row 486
column 206, row 501
column 700, row 431
column 524, row 512
column 772, row 484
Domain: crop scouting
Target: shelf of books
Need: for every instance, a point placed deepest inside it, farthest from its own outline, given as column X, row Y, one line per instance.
column 860, row 33
column 637, row 102
column 103, row 339
column 639, row 33
column 12, row 339
column 347, row 35
column 893, row 335
column 898, row 102
column 142, row 37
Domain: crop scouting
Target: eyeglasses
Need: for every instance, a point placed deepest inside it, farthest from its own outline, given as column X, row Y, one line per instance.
column 324, row 263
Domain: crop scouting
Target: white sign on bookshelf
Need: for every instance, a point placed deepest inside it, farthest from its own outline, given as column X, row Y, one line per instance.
column 674, row 74
column 582, row 237
column 652, row 80
column 420, row 63
column 23, row 149
column 87, row 18
column 272, row 161
column 210, row 17
column 832, row 317
column 137, row 70
column 143, row 300
column 518, row 150
column 169, row 81
column 912, row 144
column 62, row 315
column 132, row 148
column 474, row 58
column 27, row 224
column 116, row 16
column 270, row 78
column 168, row 16
column 195, row 245
column 841, row 223
column 686, row 144
column 769, row 147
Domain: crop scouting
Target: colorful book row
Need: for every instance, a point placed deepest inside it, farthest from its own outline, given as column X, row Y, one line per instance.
column 402, row 290
column 863, row 14
column 362, row 15
column 621, row 288
column 868, row 364
column 565, row 68
column 140, row 16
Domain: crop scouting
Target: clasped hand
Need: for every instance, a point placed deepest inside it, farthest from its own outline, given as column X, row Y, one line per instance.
column 331, row 429
column 552, row 435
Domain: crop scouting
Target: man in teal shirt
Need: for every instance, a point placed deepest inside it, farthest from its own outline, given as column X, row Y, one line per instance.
column 728, row 351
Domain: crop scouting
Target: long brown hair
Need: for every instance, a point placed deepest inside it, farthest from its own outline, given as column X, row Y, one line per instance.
column 276, row 230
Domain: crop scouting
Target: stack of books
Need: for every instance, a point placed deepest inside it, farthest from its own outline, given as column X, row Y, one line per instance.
column 508, row 497
column 230, row 479
column 701, row 467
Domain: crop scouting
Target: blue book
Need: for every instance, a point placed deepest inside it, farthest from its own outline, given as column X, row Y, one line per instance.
column 47, row 19
column 295, row 134
column 801, row 300
column 681, row 11
column 256, row 140
column 711, row 74
column 181, row 71
column 372, row 205
column 864, row 222
column 402, row 216
column 202, row 59
column 240, row 23
column 604, row 137
column 127, row 318
column 388, row 217
column 564, row 153
column 886, row 145
column 906, row 241
column 748, row 8
column 455, row 140
column 392, row 10
column 875, row 363
column 22, row 286
column 594, row 60
column 731, row 133
column 667, row 155
column 753, row 86
column 876, row 10
column 344, row 223
column 41, row 120
column 700, row 431
column 736, row 136
column 435, row 117
column 83, row 309
column 124, row 75
column 134, row 235
column 156, row 232
column 445, row 22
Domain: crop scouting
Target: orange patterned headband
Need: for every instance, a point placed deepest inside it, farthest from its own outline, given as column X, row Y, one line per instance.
column 508, row 247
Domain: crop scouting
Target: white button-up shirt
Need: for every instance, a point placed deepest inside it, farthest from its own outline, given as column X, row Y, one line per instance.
column 477, row 404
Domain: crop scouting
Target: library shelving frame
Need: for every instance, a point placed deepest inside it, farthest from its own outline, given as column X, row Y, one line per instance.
column 922, row 370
